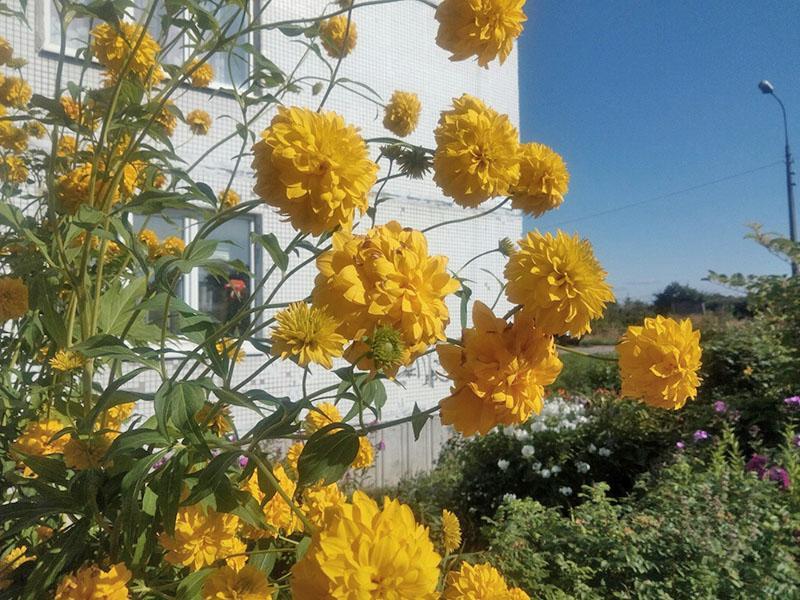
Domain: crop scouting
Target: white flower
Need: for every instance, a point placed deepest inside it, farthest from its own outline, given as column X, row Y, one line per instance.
column 545, row 473
column 565, row 491
column 521, row 434
column 582, row 467
column 604, row 452
column 509, row 497
column 556, row 469
column 538, row 426
column 502, row 464
column 536, row 466
column 527, row 451
column 592, row 448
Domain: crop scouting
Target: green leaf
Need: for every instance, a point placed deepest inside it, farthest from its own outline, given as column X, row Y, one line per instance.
column 191, row 586
column 327, row 454
column 137, row 438
column 418, row 420
column 270, row 243
column 214, row 475
column 464, row 293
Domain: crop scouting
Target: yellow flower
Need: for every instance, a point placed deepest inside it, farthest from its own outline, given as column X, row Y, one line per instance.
column 307, row 332
column 476, row 582
column 167, row 119
column 477, row 153
column 499, row 372
column 202, row 75
column 229, row 198
column 543, row 180
column 278, row 514
column 321, row 415
column 6, row 51
column 314, row 169
column 67, row 146
column 363, row 551
column 13, row 169
column 401, row 115
column 16, row 557
column 558, row 281
column 482, row 28
column 202, row 537
column 13, row 298
column 217, row 418
column 199, row 121
column 37, row 439
column 516, row 593
column 66, row 360
column 88, row 453
column 451, row 531
column 149, row 238
column 72, row 188
column 13, row 138
column 338, row 37
column 293, row 455
column 366, row 454
column 228, row 347
column 35, row 129
column 93, row 583
column 659, row 362
column 318, row 499
column 385, row 278
column 112, row 47
column 15, row 92
column 77, row 112
column 114, row 416
column 248, row 583
column 172, row 246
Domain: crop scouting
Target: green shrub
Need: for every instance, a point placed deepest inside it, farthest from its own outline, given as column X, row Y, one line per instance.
column 703, row 529
column 585, row 375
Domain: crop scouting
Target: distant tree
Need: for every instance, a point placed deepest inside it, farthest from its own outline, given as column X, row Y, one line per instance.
column 678, row 298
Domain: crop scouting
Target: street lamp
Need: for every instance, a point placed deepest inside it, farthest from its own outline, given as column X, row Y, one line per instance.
column 767, row 88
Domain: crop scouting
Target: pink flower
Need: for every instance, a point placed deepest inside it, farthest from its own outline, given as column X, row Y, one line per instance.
column 720, row 407
column 700, row 435
column 757, row 464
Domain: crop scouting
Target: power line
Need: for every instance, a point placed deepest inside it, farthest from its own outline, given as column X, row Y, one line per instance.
column 669, row 195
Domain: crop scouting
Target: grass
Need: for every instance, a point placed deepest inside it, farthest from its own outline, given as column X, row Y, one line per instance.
column 585, row 374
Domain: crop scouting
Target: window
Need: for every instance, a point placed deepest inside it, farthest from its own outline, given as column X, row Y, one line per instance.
column 231, row 68
column 219, row 296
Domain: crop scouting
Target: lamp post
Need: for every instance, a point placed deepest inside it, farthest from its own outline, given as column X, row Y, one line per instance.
column 767, row 88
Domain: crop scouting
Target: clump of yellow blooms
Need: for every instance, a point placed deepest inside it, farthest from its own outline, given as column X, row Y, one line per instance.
column 66, row 360
column 13, row 559
column 485, row 29
column 451, row 531
column 112, row 48
column 150, row 240
column 558, row 281
column 479, row 582
column 279, row 515
column 318, row 499
column 338, row 36
column 13, row 298
column 92, row 583
column 247, row 583
column 12, row 138
column 321, row 415
column 366, row 454
column 13, row 169
column 314, row 169
column 659, row 362
column 477, row 152
column 87, row 453
column 201, row 75
column 293, row 455
column 199, row 121
column 15, row 92
column 308, row 333
column 216, row 417
column 202, row 537
column 37, row 439
column 401, row 114
column 229, row 198
column 167, row 118
column 499, row 372
column 67, row 146
column 543, row 180
column 35, row 129
column 363, row 551
column 6, row 51
column 385, row 277
column 77, row 112
column 172, row 246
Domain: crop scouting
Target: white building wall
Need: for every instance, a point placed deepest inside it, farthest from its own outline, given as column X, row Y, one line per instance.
column 396, row 50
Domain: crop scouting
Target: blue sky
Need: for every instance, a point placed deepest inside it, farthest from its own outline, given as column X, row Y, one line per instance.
column 645, row 98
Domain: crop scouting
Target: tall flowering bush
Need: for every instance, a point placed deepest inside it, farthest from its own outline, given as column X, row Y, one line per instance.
column 98, row 505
